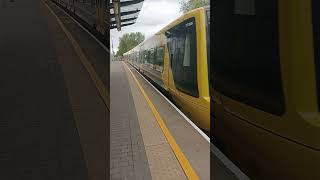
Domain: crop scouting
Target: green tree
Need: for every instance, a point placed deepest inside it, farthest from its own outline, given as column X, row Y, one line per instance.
column 129, row 41
column 188, row 5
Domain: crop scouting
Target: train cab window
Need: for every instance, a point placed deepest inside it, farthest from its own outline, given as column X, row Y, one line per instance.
column 246, row 64
column 183, row 56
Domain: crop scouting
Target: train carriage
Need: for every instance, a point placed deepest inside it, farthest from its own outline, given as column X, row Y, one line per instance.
column 176, row 59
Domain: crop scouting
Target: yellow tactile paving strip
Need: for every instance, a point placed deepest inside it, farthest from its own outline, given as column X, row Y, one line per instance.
column 193, row 145
column 162, row 161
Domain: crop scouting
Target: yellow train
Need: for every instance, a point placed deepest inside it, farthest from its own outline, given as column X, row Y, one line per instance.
column 176, row 59
column 266, row 87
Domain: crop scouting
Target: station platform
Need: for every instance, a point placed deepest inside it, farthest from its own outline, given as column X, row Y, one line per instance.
column 53, row 117
column 140, row 145
column 55, row 108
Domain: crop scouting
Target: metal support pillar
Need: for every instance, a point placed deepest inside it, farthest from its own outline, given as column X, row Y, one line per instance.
column 101, row 16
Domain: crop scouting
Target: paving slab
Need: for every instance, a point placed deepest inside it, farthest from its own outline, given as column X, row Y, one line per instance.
column 128, row 155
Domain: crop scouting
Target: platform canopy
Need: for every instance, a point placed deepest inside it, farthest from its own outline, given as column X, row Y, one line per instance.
column 124, row 12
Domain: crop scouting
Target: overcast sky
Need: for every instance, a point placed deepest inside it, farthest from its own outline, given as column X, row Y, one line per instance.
column 154, row 15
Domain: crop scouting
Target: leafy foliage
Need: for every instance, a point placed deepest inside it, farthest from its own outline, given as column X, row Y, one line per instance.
column 129, row 41
column 188, row 5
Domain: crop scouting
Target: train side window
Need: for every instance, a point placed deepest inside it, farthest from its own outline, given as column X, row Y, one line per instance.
column 146, row 56
column 160, row 56
column 153, row 54
column 150, row 55
column 137, row 57
column 246, row 64
column 182, row 45
column 142, row 57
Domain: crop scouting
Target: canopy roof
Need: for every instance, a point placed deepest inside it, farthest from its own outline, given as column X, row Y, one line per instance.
column 124, row 12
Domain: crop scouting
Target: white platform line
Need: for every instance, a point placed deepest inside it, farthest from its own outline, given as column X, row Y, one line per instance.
column 178, row 110
column 102, row 45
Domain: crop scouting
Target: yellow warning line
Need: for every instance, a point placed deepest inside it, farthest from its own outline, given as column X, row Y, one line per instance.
column 186, row 166
column 85, row 62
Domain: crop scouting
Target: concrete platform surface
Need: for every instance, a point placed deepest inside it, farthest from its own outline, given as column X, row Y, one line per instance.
column 159, row 159
column 193, row 145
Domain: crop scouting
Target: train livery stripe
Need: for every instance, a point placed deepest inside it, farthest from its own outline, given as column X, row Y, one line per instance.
column 85, row 62
column 186, row 166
